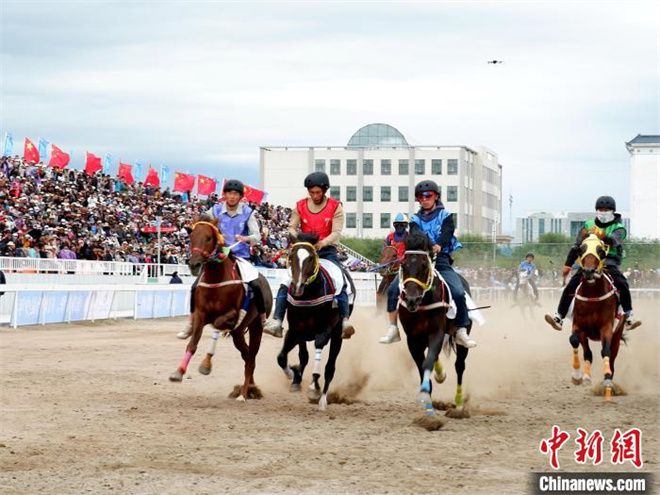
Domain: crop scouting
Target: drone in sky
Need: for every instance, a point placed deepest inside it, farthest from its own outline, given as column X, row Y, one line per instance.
column 495, row 62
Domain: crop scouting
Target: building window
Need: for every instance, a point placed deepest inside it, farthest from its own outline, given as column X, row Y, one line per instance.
column 452, row 193
column 385, row 194
column 403, row 167
column 319, row 165
column 368, row 193
column 420, row 167
column 367, row 220
column 436, row 167
column 351, row 167
column 541, row 226
column 452, row 166
column 403, row 193
column 351, row 221
column 351, row 193
column 386, row 167
column 384, row 220
column 335, row 192
column 368, row 167
column 335, row 167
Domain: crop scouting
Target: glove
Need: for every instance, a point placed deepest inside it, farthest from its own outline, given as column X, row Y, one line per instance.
column 566, row 271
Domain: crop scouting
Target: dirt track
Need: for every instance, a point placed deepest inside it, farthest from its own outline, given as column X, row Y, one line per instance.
column 89, row 409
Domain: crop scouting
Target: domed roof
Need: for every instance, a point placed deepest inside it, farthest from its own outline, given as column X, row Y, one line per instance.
column 377, row 135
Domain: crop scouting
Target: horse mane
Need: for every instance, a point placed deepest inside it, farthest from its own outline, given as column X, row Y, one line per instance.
column 418, row 241
column 310, row 237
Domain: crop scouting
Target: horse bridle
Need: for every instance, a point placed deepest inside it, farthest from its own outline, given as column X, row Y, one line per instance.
column 217, row 254
column 429, row 282
column 317, row 265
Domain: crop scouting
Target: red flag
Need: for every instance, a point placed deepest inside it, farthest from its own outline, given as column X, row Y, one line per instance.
column 30, row 153
column 152, row 178
column 183, row 182
column 205, row 185
column 58, row 158
column 92, row 164
column 126, row 173
column 253, row 195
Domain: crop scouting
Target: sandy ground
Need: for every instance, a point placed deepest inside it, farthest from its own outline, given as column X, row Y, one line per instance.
column 89, row 409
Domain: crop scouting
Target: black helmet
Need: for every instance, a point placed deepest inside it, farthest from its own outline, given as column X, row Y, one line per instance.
column 529, row 254
column 427, row 186
column 606, row 202
column 317, row 179
column 234, row 185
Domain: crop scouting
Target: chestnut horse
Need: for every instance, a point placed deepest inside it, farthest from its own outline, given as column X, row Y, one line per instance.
column 423, row 306
column 312, row 315
column 595, row 315
column 220, row 300
column 389, row 267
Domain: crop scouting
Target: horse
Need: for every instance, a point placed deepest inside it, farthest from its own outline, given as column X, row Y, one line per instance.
column 312, row 316
column 525, row 298
column 220, row 299
column 423, row 306
column 389, row 268
column 595, row 316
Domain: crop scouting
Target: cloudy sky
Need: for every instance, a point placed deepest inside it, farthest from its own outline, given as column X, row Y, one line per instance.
column 199, row 86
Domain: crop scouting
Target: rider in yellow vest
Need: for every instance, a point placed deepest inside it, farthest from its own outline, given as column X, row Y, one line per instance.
column 608, row 226
column 322, row 215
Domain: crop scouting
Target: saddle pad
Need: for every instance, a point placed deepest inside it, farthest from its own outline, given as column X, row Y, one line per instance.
column 246, row 270
column 337, row 276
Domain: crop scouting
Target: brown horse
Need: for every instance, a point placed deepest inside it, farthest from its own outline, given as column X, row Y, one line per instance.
column 423, row 314
column 220, row 298
column 595, row 316
column 389, row 269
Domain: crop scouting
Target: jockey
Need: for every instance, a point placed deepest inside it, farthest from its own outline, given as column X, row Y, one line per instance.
column 398, row 237
column 241, row 230
column 322, row 215
column 608, row 227
column 527, row 265
column 436, row 222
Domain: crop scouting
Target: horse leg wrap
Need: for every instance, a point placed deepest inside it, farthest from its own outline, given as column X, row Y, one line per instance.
column 587, row 368
column 606, row 367
column 317, row 361
column 186, row 361
column 214, row 342
column 576, row 360
column 459, row 396
column 426, row 382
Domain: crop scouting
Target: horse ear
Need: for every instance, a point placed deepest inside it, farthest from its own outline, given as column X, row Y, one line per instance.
column 583, row 248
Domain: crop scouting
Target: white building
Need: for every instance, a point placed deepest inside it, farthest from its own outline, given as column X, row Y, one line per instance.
column 375, row 174
column 533, row 225
column 645, row 186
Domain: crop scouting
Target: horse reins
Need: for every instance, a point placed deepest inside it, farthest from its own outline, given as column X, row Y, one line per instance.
column 425, row 286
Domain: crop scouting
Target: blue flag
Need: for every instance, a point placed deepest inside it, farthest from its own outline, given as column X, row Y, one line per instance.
column 137, row 171
column 164, row 173
column 43, row 149
column 107, row 163
column 9, row 144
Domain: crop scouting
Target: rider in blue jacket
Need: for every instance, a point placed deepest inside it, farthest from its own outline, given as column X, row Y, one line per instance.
column 438, row 224
column 527, row 265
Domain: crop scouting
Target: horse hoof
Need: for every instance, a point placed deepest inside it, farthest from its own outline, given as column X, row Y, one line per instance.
column 177, row 376
column 586, row 380
column 424, row 397
column 576, row 377
column 240, row 398
column 323, row 403
column 204, row 370
column 440, row 378
column 608, row 394
column 314, row 394
column 295, row 387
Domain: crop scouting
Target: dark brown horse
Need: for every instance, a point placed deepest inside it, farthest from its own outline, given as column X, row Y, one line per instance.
column 311, row 316
column 390, row 267
column 595, row 316
column 423, row 314
column 220, row 300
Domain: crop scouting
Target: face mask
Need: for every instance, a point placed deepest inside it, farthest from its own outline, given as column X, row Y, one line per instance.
column 605, row 216
column 400, row 229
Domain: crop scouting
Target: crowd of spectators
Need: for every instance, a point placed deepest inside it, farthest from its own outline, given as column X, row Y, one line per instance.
column 50, row 213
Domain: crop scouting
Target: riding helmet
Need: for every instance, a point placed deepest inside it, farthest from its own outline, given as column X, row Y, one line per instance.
column 317, row 179
column 400, row 218
column 606, row 202
column 234, row 185
column 427, row 186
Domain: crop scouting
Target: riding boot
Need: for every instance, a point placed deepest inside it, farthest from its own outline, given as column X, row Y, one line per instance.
column 347, row 329
column 274, row 326
column 462, row 338
column 391, row 336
